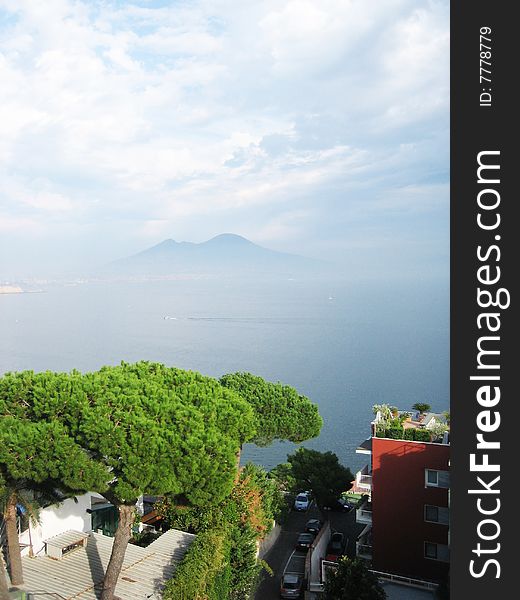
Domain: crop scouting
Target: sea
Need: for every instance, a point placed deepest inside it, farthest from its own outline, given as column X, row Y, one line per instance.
column 347, row 345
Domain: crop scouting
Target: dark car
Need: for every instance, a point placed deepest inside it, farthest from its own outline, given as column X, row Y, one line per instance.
column 313, row 526
column 340, row 505
column 304, row 541
column 336, row 544
column 291, row 585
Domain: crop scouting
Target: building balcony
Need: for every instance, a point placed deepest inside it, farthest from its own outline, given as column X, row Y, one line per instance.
column 365, row 447
column 364, row 478
column 364, row 551
column 364, row 513
column 364, row 544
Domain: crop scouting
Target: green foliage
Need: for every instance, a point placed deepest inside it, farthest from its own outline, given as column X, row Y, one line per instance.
column 274, row 506
column 409, row 434
column 240, row 520
column 143, row 538
column 255, row 497
column 146, row 428
column 394, row 433
column 35, row 460
column 385, row 411
column 40, row 464
column 391, row 422
column 352, row 580
column 284, row 477
column 422, row 435
column 320, row 472
column 187, row 518
column 202, row 574
column 438, row 430
column 36, row 453
column 244, row 566
column 155, row 429
column 281, row 412
column 421, row 407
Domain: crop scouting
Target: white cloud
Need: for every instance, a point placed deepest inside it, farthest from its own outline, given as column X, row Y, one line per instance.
column 111, row 112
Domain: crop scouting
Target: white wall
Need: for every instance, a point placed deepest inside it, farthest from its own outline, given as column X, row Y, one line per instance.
column 318, row 551
column 268, row 542
column 57, row 519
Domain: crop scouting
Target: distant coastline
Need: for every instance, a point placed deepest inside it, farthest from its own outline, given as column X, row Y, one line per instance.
column 10, row 289
column 16, row 289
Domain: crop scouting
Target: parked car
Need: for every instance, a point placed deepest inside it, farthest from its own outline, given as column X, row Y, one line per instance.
column 336, row 545
column 304, row 541
column 302, row 501
column 291, row 585
column 341, row 505
column 313, row 526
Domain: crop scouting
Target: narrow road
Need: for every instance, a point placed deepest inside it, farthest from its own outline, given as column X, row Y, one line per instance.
column 277, row 557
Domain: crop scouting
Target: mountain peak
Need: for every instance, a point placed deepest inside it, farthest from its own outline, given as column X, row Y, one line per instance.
column 227, row 253
column 168, row 242
column 228, row 238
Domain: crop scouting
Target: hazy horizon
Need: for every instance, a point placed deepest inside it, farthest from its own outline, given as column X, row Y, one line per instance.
column 315, row 128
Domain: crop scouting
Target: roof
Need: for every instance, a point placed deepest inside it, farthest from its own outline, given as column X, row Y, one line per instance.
column 80, row 573
column 66, row 539
column 438, row 417
column 365, row 447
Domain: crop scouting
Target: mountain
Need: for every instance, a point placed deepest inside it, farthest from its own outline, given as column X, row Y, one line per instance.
column 225, row 254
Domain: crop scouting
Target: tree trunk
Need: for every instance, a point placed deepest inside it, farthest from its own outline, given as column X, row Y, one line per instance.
column 238, row 456
column 13, row 543
column 121, row 538
column 4, row 590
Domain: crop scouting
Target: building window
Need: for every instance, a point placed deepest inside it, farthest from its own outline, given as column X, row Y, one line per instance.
column 439, row 552
column 430, row 550
column 432, row 478
column 436, row 514
column 431, row 513
column 435, row 478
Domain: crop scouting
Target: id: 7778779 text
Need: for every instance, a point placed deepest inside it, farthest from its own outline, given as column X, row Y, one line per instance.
column 485, row 66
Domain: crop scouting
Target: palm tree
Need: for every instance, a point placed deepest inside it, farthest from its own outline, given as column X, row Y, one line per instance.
column 421, row 407
column 4, row 589
column 30, row 497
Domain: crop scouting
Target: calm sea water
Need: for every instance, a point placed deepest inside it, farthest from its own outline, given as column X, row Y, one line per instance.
column 347, row 346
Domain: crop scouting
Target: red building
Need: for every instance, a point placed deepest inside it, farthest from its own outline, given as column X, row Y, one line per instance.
column 406, row 515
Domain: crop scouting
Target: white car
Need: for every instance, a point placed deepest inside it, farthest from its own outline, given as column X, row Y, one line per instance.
column 302, row 501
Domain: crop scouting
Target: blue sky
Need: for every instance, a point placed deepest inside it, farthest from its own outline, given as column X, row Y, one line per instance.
column 314, row 127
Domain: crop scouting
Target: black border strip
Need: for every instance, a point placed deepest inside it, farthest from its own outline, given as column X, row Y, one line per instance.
column 480, row 124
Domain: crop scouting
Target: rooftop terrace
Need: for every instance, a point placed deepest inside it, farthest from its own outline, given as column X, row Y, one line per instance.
column 427, row 427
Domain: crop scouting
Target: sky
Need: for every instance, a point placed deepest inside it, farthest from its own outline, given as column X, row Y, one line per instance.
column 318, row 127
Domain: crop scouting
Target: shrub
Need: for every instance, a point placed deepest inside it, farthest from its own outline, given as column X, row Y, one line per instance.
column 422, row 435
column 409, row 434
column 352, row 580
column 223, row 556
column 395, row 433
column 202, row 572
